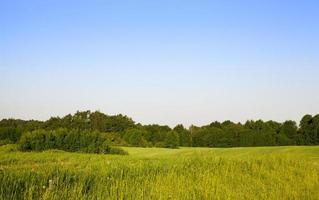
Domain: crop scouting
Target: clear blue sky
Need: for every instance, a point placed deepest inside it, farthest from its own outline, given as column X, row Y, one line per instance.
column 166, row 62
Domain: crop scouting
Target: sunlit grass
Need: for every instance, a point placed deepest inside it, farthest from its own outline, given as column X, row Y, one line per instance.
column 153, row 173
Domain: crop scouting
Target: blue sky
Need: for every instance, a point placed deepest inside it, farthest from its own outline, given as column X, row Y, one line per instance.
column 166, row 62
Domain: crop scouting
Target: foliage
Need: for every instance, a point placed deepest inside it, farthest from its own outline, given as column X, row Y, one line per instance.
column 136, row 137
column 183, row 135
column 67, row 140
column 309, row 129
column 5, row 141
column 121, row 130
column 171, row 140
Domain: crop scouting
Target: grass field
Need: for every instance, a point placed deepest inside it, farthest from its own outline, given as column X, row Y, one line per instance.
column 153, row 173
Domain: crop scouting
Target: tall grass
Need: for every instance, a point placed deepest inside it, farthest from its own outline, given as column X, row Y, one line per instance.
column 187, row 173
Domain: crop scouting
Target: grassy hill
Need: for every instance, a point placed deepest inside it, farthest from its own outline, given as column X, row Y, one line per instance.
column 155, row 173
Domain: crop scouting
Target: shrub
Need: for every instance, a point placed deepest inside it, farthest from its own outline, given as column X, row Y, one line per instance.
column 67, row 140
column 10, row 133
column 6, row 141
column 160, row 144
column 117, row 150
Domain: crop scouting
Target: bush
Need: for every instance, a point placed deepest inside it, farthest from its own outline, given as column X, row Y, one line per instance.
column 10, row 133
column 67, row 140
column 117, row 150
column 9, row 148
column 6, row 141
column 160, row 145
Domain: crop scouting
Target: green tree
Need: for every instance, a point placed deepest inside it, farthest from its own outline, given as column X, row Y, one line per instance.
column 171, row 140
column 184, row 135
column 307, row 130
column 288, row 133
column 135, row 137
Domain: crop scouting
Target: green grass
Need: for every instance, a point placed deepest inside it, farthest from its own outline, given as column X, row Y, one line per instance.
column 154, row 173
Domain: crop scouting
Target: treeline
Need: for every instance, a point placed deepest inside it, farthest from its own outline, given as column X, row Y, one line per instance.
column 120, row 130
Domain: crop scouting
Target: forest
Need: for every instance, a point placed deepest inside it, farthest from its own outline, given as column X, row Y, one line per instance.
column 97, row 132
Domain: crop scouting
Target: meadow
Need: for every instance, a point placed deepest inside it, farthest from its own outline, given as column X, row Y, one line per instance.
column 158, row 173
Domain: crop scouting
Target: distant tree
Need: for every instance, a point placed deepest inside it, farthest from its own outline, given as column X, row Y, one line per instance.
column 118, row 123
column 135, row 137
column 216, row 124
column 184, row 135
column 156, row 133
column 11, row 134
column 307, row 130
column 122, row 130
column 315, row 136
column 171, row 140
column 288, row 133
column 233, row 132
column 98, row 121
column 208, row 136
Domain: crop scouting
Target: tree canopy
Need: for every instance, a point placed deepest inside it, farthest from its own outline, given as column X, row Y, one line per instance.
column 123, row 131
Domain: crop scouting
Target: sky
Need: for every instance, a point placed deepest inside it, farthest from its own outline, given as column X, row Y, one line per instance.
column 165, row 62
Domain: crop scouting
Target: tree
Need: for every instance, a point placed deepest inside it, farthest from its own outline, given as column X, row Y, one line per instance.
column 82, row 128
column 156, row 133
column 135, row 137
column 171, row 140
column 315, row 136
column 288, row 133
column 97, row 121
column 184, row 135
column 307, row 130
